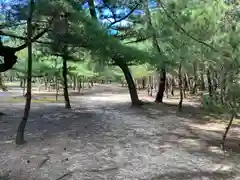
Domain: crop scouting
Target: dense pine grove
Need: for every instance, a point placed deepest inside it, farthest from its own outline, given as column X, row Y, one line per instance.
column 174, row 48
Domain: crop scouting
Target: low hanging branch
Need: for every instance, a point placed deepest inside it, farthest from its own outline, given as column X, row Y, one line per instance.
column 8, row 53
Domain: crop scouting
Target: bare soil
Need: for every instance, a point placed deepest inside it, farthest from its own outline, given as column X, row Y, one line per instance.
column 103, row 138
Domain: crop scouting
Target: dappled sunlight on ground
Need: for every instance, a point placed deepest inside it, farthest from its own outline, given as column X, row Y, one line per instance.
column 103, row 138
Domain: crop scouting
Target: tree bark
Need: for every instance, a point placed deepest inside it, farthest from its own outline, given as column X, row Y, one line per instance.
column 20, row 132
column 209, row 79
column 131, row 86
column 74, row 82
column 202, row 83
column 172, row 86
column 180, row 87
column 65, row 84
column 161, row 89
column 195, row 79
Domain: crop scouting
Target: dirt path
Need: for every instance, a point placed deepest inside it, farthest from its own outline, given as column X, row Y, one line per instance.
column 102, row 138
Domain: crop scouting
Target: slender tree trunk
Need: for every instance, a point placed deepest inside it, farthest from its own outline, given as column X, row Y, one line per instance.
column 202, row 83
column 215, row 81
column 172, row 86
column 223, row 86
column 65, row 84
column 195, row 79
column 210, row 87
column 180, row 86
column 161, row 89
column 21, row 83
column 83, row 82
column 57, row 88
column 226, row 131
column 143, row 83
column 74, row 82
column 79, row 84
column 46, row 83
column 131, row 86
column 167, row 86
column 185, row 85
column 21, row 128
column 24, row 86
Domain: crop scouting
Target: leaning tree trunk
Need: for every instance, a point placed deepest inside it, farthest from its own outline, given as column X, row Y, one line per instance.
column 65, row 84
column 22, row 125
column 161, row 89
column 131, row 86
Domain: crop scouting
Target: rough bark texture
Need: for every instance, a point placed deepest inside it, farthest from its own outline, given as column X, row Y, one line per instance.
column 21, row 128
column 210, row 87
column 65, row 84
column 161, row 89
column 180, row 87
column 131, row 86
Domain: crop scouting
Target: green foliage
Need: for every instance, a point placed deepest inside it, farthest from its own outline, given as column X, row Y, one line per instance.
column 214, row 106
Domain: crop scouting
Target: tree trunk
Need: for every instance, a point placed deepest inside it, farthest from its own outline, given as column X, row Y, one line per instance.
column 215, row 81
column 22, row 125
column 131, row 86
column 172, row 86
column 180, row 87
column 74, row 82
column 209, row 79
column 65, row 84
column 185, row 85
column 57, row 88
column 227, row 129
column 46, row 83
column 143, row 83
column 24, row 86
column 21, row 83
column 195, row 79
column 167, row 87
column 161, row 89
column 202, row 83
column 223, row 86
column 79, row 84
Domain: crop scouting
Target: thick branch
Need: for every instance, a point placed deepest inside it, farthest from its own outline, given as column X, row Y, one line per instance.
column 8, row 53
column 21, row 37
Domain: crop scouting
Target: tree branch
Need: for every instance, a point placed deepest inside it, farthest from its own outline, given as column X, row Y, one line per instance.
column 184, row 31
column 126, row 16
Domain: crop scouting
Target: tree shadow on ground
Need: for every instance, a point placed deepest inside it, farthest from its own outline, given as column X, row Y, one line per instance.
column 195, row 175
column 188, row 111
column 93, row 91
column 88, row 124
column 51, row 121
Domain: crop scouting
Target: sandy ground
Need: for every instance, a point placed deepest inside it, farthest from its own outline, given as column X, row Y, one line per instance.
column 102, row 138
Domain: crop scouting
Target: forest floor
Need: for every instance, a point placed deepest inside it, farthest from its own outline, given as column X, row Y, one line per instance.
column 103, row 138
